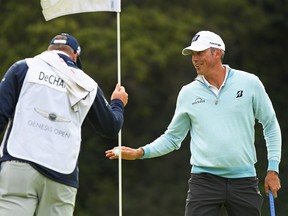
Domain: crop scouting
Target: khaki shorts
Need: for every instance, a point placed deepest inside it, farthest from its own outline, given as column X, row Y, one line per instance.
column 25, row 192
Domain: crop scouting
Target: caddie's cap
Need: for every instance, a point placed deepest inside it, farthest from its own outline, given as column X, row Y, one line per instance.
column 204, row 40
column 70, row 41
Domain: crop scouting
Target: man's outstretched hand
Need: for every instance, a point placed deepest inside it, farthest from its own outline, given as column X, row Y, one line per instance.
column 126, row 153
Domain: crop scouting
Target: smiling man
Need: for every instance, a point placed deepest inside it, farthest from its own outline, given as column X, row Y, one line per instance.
column 219, row 109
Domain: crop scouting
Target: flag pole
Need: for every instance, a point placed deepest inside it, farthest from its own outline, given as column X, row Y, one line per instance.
column 51, row 11
column 120, row 133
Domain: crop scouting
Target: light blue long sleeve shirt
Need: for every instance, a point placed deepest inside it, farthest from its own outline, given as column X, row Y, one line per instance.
column 222, row 126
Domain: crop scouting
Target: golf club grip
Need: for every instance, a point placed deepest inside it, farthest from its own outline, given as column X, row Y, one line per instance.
column 271, row 202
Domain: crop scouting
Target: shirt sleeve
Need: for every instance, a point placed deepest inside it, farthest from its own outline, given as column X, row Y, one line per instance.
column 266, row 115
column 10, row 87
column 107, row 118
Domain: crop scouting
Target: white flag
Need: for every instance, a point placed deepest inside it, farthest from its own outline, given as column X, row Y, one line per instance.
column 57, row 8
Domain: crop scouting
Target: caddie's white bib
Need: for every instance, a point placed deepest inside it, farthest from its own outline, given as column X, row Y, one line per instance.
column 46, row 130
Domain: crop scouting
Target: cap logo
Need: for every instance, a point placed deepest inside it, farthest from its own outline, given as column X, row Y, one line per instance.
column 217, row 44
column 60, row 41
column 78, row 50
column 195, row 38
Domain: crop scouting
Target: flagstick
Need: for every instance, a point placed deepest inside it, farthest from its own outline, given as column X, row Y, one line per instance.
column 120, row 133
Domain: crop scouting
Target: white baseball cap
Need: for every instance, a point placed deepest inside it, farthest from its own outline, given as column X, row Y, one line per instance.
column 204, row 40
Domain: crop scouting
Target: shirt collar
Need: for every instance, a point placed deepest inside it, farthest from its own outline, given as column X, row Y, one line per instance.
column 225, row 79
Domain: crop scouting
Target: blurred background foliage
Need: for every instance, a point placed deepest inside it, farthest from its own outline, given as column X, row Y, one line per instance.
column 153, row 34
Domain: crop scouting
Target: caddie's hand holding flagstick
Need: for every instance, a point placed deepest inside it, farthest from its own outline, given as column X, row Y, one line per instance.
column 120, row 93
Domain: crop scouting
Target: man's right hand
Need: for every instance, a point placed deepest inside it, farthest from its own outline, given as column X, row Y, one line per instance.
column 120, row 93
column 126, row 153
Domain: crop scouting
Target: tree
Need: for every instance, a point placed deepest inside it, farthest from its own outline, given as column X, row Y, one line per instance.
column 153, row 33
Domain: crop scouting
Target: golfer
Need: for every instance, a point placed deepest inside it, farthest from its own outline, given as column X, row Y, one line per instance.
column 219, row 109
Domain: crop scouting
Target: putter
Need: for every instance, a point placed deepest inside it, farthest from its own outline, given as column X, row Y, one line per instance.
column 271, row 202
